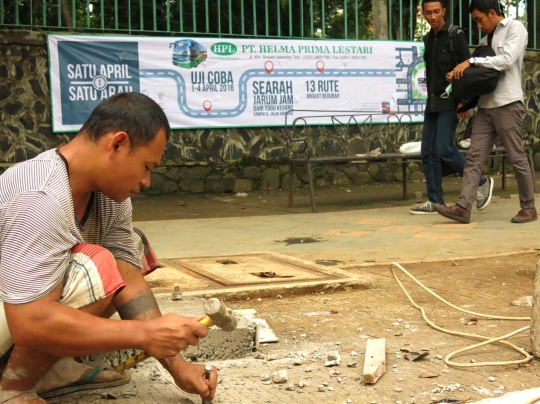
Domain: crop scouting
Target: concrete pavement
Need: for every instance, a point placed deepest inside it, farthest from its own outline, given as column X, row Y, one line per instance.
column 316, row 250
column 352, row 238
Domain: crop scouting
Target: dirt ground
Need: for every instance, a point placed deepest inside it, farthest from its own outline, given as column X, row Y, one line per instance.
column 310, row 325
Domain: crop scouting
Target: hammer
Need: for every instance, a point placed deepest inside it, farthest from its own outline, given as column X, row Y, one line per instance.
column 219, row 315
column 216, row 314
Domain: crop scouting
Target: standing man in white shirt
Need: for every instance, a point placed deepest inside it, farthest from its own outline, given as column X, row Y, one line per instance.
column 500, row 114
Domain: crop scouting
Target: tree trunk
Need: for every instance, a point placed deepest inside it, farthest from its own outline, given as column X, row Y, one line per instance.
column 380, row 19
column 66, row 13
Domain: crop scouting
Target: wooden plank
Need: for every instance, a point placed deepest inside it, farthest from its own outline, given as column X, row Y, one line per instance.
column 375, row 363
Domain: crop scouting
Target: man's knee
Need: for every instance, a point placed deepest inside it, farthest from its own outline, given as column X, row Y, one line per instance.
column 95, row 257
column 99, row 255
column 147, row 256
column 445, row 150
column 92, row 276
column 520, row 164
column 475, row 155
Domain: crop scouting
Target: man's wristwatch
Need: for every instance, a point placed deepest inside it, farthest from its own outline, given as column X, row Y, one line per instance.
column 472, row 61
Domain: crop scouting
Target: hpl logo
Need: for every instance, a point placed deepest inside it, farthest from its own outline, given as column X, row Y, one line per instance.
column 223, row 48
column 93, row 71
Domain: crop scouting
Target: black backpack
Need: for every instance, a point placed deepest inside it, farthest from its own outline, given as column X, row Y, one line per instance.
column 476, row 81
column 453, row 31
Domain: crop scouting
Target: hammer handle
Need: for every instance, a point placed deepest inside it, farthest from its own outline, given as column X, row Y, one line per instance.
column 132, row 361
column 207, row 321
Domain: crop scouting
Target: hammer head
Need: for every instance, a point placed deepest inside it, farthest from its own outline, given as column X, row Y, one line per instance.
column 220, row 315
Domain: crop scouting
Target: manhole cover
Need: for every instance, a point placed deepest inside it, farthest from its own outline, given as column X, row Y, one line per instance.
column 299, row 240
column 250, row 269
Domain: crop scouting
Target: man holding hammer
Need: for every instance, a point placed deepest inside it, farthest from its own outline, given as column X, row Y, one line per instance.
column 69, row 259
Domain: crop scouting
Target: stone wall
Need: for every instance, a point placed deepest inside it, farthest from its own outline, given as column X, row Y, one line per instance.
column 25, row 111
column 205, row 160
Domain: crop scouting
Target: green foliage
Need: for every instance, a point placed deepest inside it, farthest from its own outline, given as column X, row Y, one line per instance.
column 257, row 184
column 404, row 19
column 256, row 18
column 237, row 166
column 335, row 16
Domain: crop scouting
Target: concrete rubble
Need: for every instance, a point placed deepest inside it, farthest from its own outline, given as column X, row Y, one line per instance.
column 280, row 376
column 332, row 358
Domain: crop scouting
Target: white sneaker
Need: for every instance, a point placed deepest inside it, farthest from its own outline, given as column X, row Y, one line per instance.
column 425, row 209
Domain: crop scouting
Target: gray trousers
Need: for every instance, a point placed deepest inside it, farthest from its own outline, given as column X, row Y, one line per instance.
column 505, row 122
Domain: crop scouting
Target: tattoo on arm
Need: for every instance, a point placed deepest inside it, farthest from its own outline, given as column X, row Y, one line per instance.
column 142, row 306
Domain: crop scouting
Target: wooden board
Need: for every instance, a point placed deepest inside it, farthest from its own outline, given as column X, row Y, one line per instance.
column 375, row 363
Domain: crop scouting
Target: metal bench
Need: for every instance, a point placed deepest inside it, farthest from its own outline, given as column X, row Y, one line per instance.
column 354, row 134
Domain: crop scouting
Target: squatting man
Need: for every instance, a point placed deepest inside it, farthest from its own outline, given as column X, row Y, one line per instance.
column 70, row 258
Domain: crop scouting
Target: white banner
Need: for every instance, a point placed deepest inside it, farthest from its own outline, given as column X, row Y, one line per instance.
column 209, row 83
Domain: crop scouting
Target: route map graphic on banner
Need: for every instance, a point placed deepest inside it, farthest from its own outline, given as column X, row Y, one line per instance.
column 219, row 83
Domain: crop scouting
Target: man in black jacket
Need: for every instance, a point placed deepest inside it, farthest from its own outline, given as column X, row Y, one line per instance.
column 500, row 113
column 443, row 51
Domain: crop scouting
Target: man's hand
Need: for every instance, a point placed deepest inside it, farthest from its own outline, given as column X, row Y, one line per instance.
column 449, row 76
column 166, row 336
column 462, row 115
column 459, row 69
column 162, row 336
column 190, row 377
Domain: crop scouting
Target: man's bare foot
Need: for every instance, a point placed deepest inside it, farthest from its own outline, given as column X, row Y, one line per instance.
column 67, row 371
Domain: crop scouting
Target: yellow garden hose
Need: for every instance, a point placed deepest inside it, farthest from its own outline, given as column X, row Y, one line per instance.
column 486, row 340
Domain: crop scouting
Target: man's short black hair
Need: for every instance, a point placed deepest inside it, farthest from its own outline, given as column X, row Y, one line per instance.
column 485, row 5
column 134, row 113
column 433, row 1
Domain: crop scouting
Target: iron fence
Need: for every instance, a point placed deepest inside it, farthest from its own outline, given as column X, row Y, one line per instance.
column 299, row 19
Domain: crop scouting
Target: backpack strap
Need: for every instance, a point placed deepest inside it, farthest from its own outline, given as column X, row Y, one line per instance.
column 453, row 32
